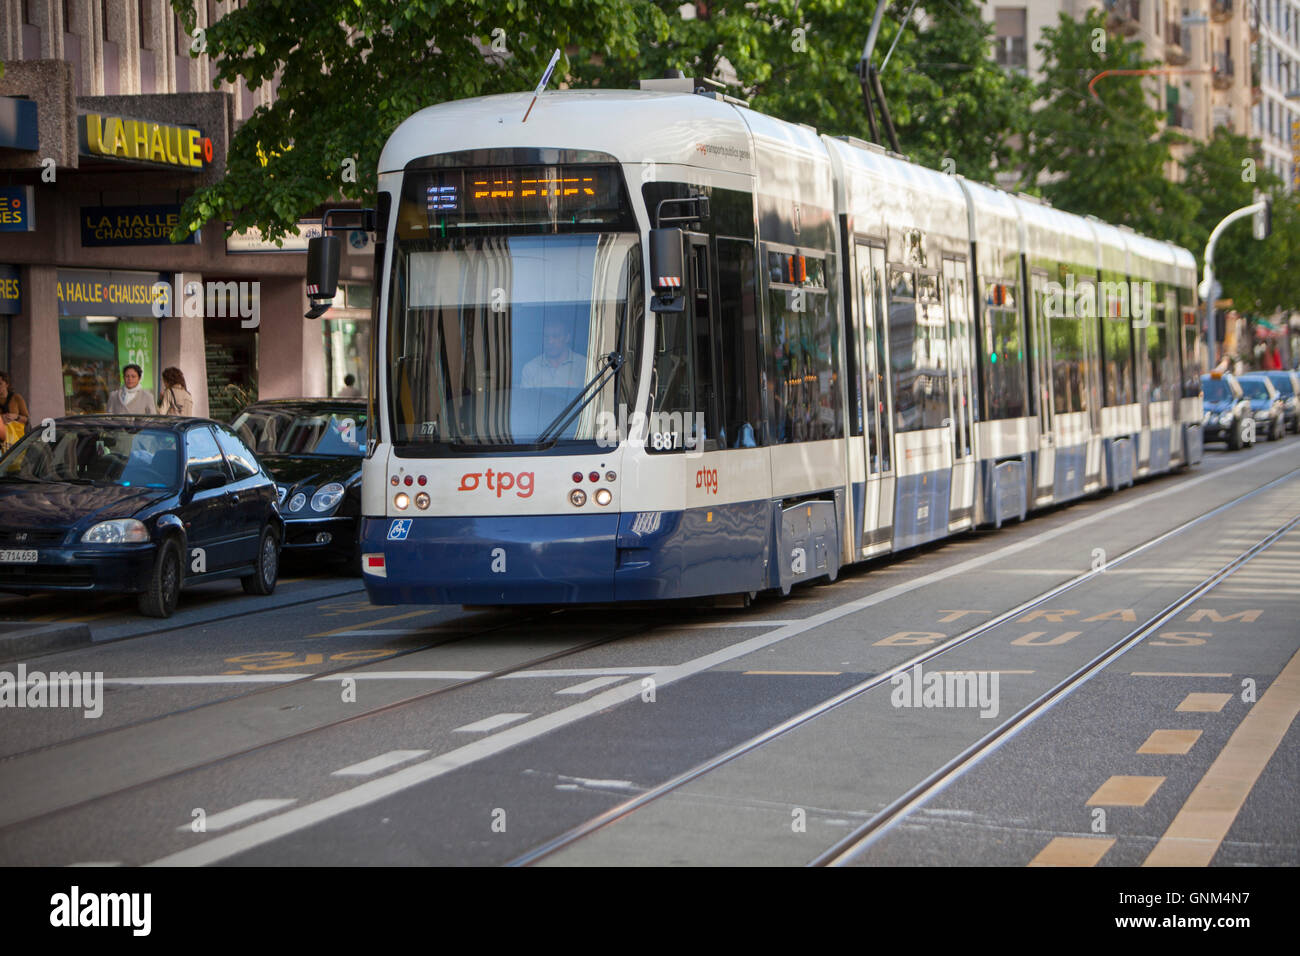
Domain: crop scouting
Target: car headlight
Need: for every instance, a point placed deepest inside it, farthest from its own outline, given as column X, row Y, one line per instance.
column 297, row 501
column 119, row 531
column 327, row 496
column 1225, row 419
column 1266, row 413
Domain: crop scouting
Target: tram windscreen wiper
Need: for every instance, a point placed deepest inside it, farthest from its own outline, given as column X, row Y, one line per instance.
column 609, row 366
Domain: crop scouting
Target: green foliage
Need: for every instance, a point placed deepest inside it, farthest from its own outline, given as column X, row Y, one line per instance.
column 797, row 60
column 1102, row 155
column 350, row 72
column 1259, row 277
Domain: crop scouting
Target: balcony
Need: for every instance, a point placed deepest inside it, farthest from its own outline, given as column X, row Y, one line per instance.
column 1180, row 118
column 1125, row 15
column 1224, row 71
column 1174, row 51
column 1220, row 10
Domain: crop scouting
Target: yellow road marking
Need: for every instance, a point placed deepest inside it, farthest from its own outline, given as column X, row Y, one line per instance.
column 799, row 673
column 1121, row 791
column 1174, row 674
column 1170, row 742
column 1204, row 703
column 1073, row 851
column 383, row 620
column 1200, row 826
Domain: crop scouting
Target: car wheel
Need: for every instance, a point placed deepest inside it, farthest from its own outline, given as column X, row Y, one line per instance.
column 262, row 580
column 164, row 589
column 1237, row 437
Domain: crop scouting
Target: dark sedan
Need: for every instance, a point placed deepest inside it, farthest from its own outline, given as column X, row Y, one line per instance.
column 1288, row 387
column 313, row 448
column 138, row 505
column 1228, row 416
column 1266, row 405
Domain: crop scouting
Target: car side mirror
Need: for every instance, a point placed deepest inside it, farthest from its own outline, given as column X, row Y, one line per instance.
column 204, row 481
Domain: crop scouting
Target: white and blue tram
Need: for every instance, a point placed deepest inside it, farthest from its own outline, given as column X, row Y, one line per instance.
column 653, row 344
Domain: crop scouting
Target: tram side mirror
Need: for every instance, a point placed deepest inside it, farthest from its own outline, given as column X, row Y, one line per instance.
column 667, row 270
column 322, row 274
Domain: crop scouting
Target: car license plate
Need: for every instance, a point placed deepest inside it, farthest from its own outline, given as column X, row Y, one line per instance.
column 18, row 557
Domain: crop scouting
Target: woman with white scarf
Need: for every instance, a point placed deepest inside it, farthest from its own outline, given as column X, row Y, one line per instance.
column 131, row 399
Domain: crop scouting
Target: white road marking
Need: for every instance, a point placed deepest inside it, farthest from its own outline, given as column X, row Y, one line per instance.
column 583, row 672
column 405, row 675
column 375, row 764
column 596, row 683
column 709, row 627
column 398, row 632
column 291, row 821
column 235, row 815
column 489, row 723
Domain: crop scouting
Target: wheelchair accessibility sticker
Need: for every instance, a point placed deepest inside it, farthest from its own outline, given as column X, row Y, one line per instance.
column 399, row 529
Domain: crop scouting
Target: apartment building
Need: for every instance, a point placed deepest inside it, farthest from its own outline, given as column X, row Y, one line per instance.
column 109, row 120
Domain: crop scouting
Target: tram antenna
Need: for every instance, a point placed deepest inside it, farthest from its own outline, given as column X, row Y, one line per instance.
column 546, row 78
column 869, row 79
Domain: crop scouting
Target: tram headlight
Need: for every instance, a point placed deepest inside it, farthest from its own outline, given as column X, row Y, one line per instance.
column 603, row 496
column 401, row 500
column 327, row 496
column 422, row 500
column 577, row 497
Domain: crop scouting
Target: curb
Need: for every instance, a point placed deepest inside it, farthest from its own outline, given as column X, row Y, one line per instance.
column 19, row 639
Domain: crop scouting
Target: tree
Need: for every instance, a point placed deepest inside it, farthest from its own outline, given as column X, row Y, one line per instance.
column 797, row 60
column 1225, row 173
column 350, row 72
column 1102, row 155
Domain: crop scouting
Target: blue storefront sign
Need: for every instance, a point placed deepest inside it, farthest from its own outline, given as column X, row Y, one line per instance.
column 131, row 226
column 11, row 292
column 17, row 214
column 81, row 292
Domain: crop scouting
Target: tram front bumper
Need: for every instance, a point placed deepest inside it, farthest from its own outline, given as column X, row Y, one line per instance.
column 532, row 559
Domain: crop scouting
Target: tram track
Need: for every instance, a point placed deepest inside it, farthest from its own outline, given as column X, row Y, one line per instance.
column 936, row 781
column 139, row 785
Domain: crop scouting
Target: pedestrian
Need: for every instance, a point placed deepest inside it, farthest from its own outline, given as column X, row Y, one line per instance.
column 176, row 399
column 1273, row 361
column 13, row 414
column 131, row 399
column 349, row 389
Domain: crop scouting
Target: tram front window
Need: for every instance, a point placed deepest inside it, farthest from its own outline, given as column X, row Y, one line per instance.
column 511, row 288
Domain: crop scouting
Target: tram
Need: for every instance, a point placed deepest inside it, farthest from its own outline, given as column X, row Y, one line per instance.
column 656, row 345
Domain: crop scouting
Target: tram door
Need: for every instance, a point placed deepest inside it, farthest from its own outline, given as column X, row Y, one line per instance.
column 877, row 427
column 1045, row 473
column 961, row 505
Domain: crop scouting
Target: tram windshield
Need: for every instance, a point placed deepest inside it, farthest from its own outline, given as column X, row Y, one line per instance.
column 501, row 322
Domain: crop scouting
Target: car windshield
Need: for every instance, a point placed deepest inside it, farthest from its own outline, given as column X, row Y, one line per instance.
column 284, row 431
column 1216, row 390
column 1254, row 388
column 1282, row 382
column 90, row 454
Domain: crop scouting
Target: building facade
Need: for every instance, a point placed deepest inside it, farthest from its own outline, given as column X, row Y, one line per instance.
column 1277, row 106
column 109, row 120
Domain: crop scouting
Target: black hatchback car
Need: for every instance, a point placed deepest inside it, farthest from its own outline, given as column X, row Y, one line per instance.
column 138, row 505
column 1228, row 415
column 313, row 448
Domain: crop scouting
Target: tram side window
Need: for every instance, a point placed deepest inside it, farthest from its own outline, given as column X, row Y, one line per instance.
column 1158, row 355
column 674, row 388
column 1004, row 353
column 1069, row 366
column 903, row 349
column 706, row 387
column 1118, row 361
column 739, row 341
column 803, row 351
column 1193, row 355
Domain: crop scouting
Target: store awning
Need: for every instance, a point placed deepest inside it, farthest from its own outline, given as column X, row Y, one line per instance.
column 76, row 344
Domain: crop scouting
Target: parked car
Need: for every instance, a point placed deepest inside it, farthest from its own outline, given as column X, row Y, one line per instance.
column 313, row 448
column 1228, row 416
column 138, row 505
column 1265, row 404
column 1288, row 386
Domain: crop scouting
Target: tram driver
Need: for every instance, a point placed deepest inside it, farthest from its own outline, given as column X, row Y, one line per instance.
column 558, row 366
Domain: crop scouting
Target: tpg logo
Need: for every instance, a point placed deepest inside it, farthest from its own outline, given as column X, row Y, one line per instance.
column 499, row 481
column 707, row 478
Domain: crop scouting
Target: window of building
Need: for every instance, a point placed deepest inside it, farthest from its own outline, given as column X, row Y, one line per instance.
column 1010, row 28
